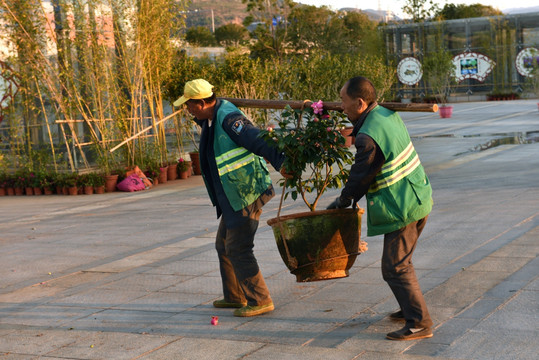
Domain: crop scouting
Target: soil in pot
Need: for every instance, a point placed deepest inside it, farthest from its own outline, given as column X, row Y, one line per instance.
column 319, row 245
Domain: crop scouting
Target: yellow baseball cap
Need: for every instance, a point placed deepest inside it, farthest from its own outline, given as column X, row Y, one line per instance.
column 195, row 89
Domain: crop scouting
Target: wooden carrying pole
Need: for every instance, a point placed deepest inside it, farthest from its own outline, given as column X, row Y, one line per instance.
column 295, row 104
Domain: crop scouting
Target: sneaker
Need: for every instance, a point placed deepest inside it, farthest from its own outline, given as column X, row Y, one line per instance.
column 249, row 310
column 397, row 316
column 410, row 334
column 225, row 304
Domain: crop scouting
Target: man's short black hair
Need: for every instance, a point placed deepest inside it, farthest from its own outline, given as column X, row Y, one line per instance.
column 207, row 100
column 361, row 87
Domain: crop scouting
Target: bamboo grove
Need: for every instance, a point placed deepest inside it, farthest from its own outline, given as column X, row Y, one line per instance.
column 91, row 73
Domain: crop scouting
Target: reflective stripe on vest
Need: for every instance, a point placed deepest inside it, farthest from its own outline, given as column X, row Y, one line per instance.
column 389, row 172
column 225, row 163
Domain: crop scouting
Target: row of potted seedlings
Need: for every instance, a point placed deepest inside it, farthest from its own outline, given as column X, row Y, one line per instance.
column 26, row 182
column 35, row 183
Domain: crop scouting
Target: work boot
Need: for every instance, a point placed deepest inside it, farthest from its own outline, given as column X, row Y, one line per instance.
column 249, row 310
column 226, row 304
column 397, row 316
column 407, row 333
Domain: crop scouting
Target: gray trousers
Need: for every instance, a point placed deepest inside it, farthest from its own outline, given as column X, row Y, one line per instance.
column 398, row 271
column 240, row 274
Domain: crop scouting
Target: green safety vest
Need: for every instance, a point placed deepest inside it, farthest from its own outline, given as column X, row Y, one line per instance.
column 244, row 175
column 401, row 192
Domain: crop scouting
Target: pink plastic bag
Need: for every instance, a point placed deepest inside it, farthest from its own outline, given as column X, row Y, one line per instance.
column 131, row 183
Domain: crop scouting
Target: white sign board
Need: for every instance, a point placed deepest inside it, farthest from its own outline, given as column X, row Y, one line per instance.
column 471, row 65
column 409, row 71
column 527, row 60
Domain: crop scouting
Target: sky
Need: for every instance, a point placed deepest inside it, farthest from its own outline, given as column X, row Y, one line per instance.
column 396, row 5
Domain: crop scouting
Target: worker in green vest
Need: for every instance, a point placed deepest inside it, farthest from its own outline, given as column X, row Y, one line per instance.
column 232, row 161
column 388, row 172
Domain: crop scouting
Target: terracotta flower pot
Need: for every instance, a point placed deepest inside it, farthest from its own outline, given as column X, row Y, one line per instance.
column 195, row 162
column 88, row 190
column 99, row 189
column 29, row 190
column 110, row 182
column 38, row 191
column 319, row 245
column 172, row 172
column 47, row 190
column 347, row 132
column 73, row 190
column 10, row 191
column 184, row 174
column 3, row 192
column 163, row 174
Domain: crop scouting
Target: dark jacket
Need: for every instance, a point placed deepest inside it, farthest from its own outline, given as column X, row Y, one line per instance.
column 246, row 135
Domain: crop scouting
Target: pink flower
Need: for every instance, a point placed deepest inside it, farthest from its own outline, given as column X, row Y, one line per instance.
column 329, row 129
column 325, row 116
column 318, row 107
column 214, row 320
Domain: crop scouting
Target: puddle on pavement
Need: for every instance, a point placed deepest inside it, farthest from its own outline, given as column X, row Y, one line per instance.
column 500, row 139
column 509, row 139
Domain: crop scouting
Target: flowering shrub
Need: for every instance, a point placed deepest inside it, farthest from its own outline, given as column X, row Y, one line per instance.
column 314, row 150
column 183, row 165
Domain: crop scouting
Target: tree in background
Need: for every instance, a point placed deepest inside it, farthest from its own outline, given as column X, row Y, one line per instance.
column 271, row 32
column 200, row 36
column 462, row 11
column 420, row 10
column 231, row 34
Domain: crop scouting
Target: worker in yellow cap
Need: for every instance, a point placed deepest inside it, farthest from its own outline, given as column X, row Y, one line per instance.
column 238, row 183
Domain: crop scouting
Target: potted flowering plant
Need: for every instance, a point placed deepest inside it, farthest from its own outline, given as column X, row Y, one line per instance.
column 315, row 245
column 439, row 71
column 184, row 168
column 314, row 148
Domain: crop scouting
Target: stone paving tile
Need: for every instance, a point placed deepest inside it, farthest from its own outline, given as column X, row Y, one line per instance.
column 145, row 282
column 366, row 293
column 370, row 340
column 204, row 349
column 287, row 352
column 479, row 345
column 173, row 302
column 45, row 316
column 320, row 311
column 271, row 330
column 198, row 285
column 110, row 345
column 37, row 341
column 98, row 298
column 183, row 267
column 117, row 320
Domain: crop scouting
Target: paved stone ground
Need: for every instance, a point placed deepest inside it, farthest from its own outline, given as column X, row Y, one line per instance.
column 133, row 275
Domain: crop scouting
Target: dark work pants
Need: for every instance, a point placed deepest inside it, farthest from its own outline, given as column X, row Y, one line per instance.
column 398, row 271
column 240, row 274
